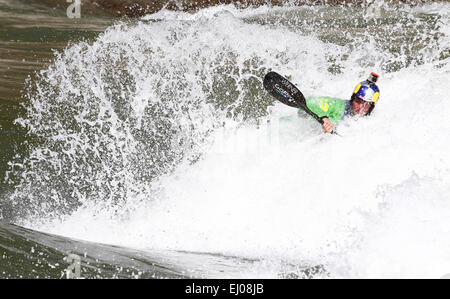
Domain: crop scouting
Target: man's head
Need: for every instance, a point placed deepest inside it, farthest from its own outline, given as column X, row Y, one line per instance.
column 360, row 107
column 365, row 96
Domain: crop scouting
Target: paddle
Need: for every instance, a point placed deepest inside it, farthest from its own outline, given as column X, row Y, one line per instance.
column 286, row 92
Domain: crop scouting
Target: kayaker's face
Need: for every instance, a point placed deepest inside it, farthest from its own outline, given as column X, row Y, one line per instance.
column 360, row 107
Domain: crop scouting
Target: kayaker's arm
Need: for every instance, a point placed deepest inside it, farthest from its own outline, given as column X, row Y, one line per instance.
column 327, row 125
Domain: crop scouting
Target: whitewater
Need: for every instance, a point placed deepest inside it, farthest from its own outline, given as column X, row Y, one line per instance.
column 159, row 135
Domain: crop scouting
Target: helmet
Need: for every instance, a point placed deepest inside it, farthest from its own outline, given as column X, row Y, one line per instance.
column 368, row 91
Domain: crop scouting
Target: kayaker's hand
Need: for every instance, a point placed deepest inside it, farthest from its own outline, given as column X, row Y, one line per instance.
column 327, row 126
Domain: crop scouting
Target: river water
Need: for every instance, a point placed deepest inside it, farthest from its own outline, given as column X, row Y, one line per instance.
column 155, row 136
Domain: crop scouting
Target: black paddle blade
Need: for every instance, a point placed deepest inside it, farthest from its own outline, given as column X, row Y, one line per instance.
column 283, row 90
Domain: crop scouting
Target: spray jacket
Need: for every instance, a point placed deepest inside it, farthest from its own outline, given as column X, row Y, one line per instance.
column 333, row 108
